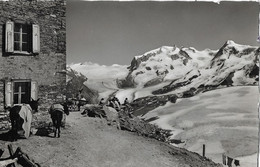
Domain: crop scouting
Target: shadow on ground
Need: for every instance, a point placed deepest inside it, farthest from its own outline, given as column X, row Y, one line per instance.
column 45, row 131
column 5, row 136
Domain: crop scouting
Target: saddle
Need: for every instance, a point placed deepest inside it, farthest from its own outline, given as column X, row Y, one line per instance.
column 56, row 107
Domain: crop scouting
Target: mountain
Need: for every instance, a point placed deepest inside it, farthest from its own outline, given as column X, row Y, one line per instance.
column 95, row 80
column 170, row 70
column 232, row 65
column 96, row 71
column 75, row 85
column 161, row 85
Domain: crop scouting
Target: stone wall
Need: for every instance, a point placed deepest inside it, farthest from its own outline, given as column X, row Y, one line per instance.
column 1, row 96
column 47, row 67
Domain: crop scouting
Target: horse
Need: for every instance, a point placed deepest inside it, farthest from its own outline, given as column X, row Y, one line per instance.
column 56, row 111
column 19, row 116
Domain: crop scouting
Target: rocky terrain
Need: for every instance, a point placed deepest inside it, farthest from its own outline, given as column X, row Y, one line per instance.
column 75, row 84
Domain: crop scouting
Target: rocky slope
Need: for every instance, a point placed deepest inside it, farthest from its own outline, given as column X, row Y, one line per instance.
column 75, row 84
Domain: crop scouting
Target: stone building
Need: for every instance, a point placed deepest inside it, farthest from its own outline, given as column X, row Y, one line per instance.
column 32, row 51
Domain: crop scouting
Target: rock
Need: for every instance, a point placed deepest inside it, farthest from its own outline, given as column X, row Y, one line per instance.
column 93, row 110
column 112, row 116
column 141, row 127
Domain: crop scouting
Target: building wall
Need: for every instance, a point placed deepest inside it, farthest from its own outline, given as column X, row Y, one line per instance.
column 1, row 96
column 47, row 68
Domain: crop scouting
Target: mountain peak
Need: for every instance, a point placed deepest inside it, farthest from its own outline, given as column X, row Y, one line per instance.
column 230, row 42
column 236, row 45
column 171, row 63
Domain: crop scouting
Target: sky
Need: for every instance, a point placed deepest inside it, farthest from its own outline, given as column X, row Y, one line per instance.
column 114, row 32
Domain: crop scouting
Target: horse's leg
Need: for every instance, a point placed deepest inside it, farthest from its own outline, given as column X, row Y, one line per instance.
column 55, row 129
column 13, row 130
column 15, row 125
column 63, row 122
column 58, row 131
column 59, row 122
column 11, row 116
column 18, row 126
column 54, row 125
column 15, row 121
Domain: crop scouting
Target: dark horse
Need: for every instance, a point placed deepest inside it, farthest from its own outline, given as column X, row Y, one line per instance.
column 16, row 120
column 56, row 111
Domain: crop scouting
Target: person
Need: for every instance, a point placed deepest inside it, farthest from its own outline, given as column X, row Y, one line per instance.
column 116, row 99
column 111, row 103
column 126, row 101
column 81, row 102
column 117, row 104
column 128, row 108
column 102, row 102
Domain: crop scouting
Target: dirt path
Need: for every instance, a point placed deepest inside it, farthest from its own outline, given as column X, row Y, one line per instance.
column 89, row 142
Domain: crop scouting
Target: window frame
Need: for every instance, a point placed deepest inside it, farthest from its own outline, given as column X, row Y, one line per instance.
column 9, row 90
column 33, row 38
column 27, row 81
column 21, row 32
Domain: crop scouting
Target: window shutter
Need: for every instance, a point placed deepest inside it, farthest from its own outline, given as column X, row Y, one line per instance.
column 9, row 36
column 34, row 90
column 8, row 94
column 35, row 38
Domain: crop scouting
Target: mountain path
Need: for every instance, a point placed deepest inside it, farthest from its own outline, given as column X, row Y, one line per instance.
column 90, row 142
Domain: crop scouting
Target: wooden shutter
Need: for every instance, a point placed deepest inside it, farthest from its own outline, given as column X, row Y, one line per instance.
column 8, row 94
column 9, row 36
column 35, row 38
column 34, row 90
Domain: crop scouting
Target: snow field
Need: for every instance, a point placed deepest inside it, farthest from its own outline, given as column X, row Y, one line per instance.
column 225, row 120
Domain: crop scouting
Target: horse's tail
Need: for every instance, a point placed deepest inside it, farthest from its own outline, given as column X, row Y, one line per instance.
column 56, row 116
column 59, row 115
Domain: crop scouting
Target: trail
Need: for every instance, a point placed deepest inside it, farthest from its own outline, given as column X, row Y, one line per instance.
column 90, row 142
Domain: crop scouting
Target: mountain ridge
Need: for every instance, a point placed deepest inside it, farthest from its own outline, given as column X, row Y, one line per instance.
column 177, row 69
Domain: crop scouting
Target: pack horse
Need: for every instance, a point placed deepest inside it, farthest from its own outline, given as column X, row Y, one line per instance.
column 21, row 118
column 57, row 111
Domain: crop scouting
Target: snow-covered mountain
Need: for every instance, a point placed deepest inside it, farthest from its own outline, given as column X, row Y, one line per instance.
column 100, row 78
column 232, row 64
column 172, row 70
column 96, row 71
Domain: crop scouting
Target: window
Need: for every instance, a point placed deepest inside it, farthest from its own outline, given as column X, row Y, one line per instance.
column 21, row 35
column 22, row 38
column 20, row 91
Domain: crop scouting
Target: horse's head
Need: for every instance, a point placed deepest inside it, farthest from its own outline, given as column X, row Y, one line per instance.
column 34, row 104
column 66, row 108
